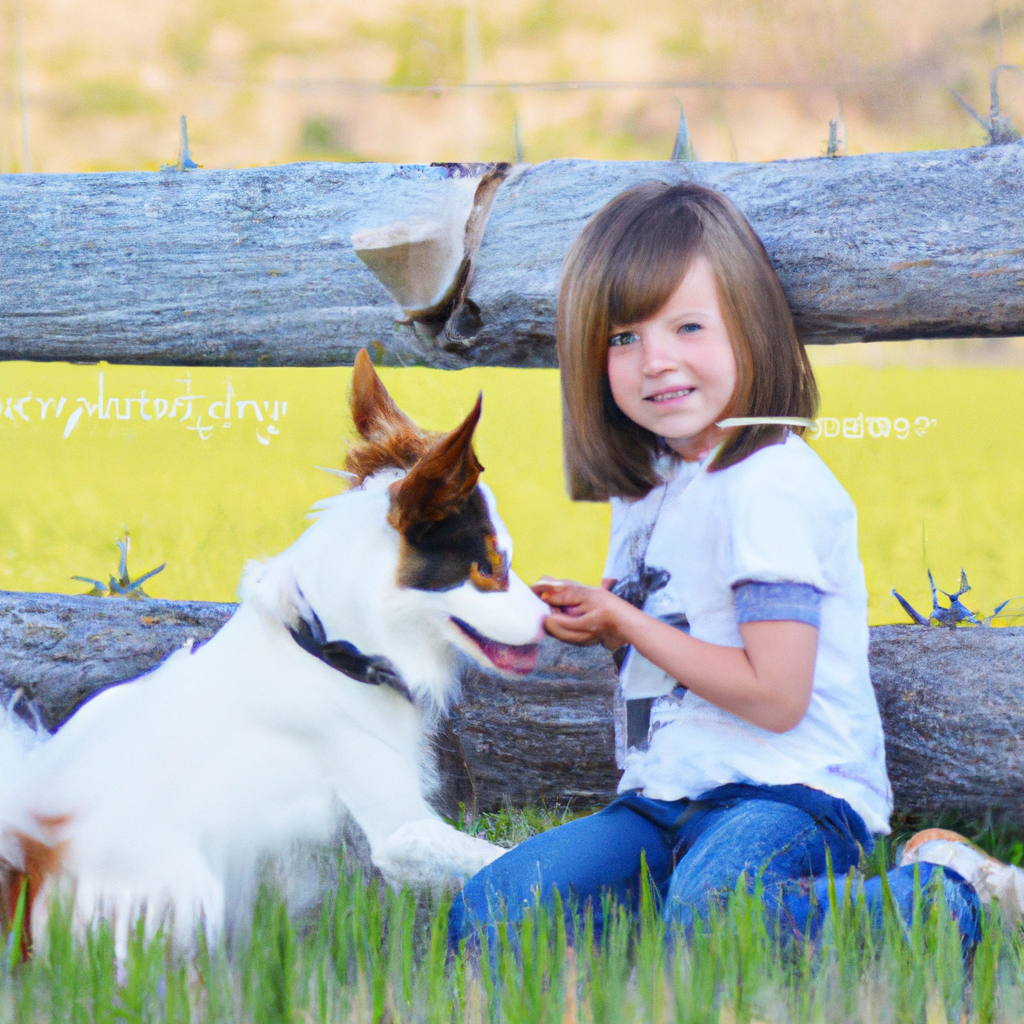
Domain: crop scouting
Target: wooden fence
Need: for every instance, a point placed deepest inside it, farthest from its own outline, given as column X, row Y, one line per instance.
column 255, row 267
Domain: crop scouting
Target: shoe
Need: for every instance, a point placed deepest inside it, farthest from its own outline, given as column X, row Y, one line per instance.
column 988, row 877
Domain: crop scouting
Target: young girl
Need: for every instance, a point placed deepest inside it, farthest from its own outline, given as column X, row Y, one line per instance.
column 733, row 585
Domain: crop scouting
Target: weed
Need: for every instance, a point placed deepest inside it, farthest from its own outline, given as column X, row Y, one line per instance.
column 121, row 585
column 1009, row 613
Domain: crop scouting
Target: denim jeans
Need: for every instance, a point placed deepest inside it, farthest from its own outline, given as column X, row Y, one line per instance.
column 695, row 853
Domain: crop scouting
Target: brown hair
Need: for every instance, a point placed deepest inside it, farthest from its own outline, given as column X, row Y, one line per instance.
column 622, row 269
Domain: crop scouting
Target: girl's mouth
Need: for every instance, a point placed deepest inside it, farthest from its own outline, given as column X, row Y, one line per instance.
column 668, row 396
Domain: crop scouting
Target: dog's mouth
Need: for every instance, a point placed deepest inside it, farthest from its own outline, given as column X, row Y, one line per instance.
column 520, row 659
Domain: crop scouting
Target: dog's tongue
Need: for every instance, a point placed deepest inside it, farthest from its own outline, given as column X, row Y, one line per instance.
column 520, row 660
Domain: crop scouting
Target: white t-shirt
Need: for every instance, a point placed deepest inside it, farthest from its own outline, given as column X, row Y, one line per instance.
column 779, row 516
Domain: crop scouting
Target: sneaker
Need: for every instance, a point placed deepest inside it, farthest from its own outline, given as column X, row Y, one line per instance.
column 989, row 878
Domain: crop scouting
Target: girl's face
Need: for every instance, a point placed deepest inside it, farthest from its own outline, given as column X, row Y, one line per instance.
column 675, row 373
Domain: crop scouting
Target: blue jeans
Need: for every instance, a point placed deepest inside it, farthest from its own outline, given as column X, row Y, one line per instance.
column 695, row 852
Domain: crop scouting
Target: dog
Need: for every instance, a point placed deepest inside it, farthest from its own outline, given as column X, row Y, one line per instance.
column 316, row 700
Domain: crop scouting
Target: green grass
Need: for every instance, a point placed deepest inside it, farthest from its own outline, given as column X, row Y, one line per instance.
column 511, row 825
column 374, row 955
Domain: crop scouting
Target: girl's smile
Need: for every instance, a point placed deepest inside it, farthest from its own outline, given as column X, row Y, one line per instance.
column 675, row 373
column 667, row 396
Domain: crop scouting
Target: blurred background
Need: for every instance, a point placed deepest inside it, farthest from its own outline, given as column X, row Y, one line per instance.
column 101, row 83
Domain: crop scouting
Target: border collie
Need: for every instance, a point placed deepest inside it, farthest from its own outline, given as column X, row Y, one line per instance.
column 315, row 701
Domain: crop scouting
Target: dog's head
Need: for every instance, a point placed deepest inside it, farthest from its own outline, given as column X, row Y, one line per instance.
column 413, row 562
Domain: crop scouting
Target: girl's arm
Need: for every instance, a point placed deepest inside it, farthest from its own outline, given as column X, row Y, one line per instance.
column 766, row 682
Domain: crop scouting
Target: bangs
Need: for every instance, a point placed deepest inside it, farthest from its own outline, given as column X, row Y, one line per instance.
column 648, row 261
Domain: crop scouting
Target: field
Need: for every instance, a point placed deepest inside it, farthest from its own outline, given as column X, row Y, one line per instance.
column 935, row 493
column 204, row 491
column 372, row 955
column 101, row 83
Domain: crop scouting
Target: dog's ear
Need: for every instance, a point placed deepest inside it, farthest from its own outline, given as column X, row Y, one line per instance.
column 389, row 438
column 440, row 482
column 373, row 410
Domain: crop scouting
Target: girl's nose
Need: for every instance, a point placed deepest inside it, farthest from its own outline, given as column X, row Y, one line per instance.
column 658, row 354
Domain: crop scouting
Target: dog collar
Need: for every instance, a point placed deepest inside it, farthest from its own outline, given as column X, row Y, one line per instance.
column 346, row 658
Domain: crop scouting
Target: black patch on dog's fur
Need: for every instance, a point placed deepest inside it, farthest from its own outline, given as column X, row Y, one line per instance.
column 439, row 555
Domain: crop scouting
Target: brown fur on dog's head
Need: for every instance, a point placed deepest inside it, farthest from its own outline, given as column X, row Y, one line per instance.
column 440, row 482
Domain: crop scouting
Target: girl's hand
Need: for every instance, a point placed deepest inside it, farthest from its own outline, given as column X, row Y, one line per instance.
column 583, row 615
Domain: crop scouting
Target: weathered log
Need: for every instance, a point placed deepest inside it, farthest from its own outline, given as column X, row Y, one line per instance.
column 232, row 268
column 255, row 267
column 882, row 247
column 952, row 703
column 61, row 650
column 548, row 738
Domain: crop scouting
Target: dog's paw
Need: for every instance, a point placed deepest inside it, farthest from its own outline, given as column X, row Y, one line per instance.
column 431, row 854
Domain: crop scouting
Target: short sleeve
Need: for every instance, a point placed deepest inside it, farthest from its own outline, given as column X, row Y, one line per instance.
column 778, row 602
column 785, row 517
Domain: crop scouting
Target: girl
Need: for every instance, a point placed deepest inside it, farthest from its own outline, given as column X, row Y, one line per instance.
column 733, row 587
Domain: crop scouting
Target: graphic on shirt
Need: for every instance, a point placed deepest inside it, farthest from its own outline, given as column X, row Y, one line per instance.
column 635, row 586
column 641, row 582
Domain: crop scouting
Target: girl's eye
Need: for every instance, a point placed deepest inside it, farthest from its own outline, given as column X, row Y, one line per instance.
column 623, row 338
column 689, row 328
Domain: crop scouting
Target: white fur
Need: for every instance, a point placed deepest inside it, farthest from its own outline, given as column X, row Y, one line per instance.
column 178, row 784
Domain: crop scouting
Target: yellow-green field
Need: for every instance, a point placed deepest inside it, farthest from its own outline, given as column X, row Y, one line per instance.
column 204, row 492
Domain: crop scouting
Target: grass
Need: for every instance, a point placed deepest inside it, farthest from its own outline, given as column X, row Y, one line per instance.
column 375, row 955
column 511, row 825
column 106, row 97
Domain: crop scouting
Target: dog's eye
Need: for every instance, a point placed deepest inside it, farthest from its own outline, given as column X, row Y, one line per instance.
column 485, row 581
column 492, row 574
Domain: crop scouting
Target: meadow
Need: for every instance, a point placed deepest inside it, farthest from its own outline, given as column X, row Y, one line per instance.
column 922, row 436
column 98, row 85
column 374, row 955
column 206, row 468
